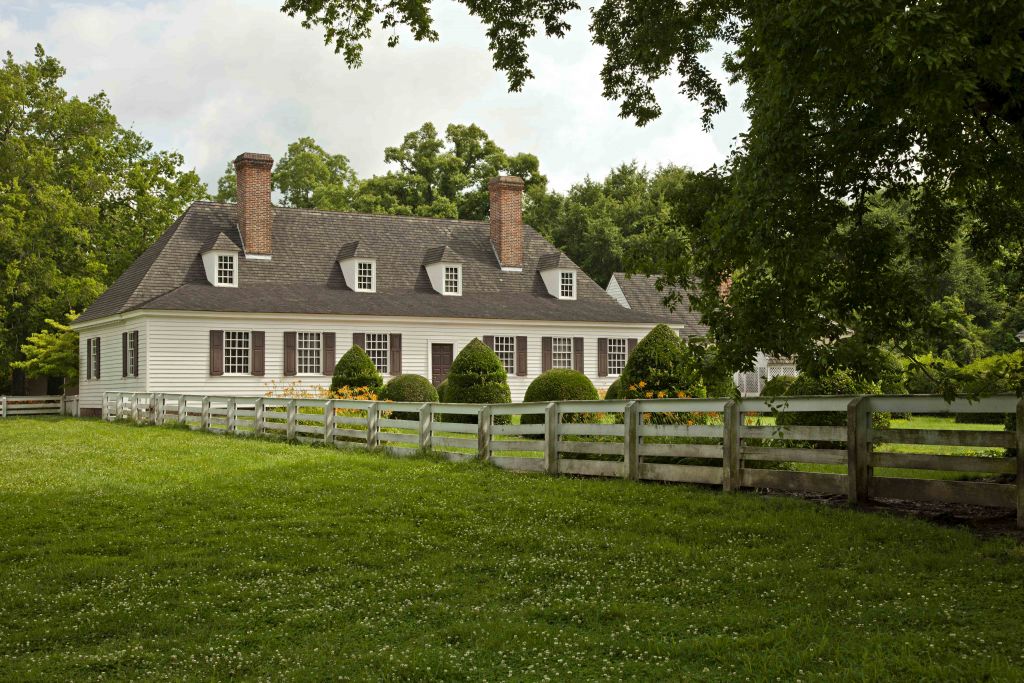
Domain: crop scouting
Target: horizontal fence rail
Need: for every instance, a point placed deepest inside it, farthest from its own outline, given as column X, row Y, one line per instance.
column 832, row 445
column 14, row 406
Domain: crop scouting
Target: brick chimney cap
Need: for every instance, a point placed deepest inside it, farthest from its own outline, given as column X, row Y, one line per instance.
column 253, row 158
column 509, row 180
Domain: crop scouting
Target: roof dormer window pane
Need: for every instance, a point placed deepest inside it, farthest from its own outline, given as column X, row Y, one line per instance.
column 567, row 288
column 452, row 284
column 364, row 276
column 225, row 269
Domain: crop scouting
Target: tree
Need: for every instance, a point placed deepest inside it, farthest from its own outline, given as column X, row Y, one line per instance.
column 52, row 352
column 80, row 198
column 309, row 178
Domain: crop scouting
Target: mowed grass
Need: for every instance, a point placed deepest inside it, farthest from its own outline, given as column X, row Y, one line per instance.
column 156, row 553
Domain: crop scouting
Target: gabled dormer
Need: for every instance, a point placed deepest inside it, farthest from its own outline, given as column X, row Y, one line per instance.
column 559, row 275
column 220, row 260
column 444, row 268
column 358, row 267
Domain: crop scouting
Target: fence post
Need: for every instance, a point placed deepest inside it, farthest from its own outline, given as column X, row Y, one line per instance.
column 204, row 419
column 372, row 425
column 733, row 418
column 858, row 449
column 631, row 441
column 292, row 412
column 1020, row 463
column 3, row 406
column 426, row 427
column 551, row 438
column 329, row 423
column 257, row 418
column 483, row 433
column 232, row 413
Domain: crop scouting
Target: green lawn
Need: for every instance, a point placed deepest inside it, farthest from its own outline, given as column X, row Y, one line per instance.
column 156, row 553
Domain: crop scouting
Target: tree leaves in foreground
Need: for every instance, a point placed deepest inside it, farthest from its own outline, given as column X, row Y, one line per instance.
column 52, row 352
column 80, row 198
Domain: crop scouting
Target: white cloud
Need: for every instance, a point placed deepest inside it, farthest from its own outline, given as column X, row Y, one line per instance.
column 212, row 78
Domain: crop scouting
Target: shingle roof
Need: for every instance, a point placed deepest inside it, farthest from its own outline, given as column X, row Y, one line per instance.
column 643, row 297
column 353, row 250
column 221, row 242
column 555, row 260
column 303, row 275
column 443, row 254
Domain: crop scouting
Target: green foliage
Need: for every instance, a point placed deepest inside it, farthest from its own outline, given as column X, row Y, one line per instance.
column 51, row 353
column 777, row 386
column 561, row 384
column 356, row 370
column 477, row 375
column 614, row 392
column 838, row 382
column 661, row 367
column 409, row 388
column 308, row 177
column 442, row 391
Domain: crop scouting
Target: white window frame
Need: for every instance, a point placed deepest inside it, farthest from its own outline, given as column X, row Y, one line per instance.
column 556, row 352
column 226, row 277
column 233, row 362
column 618, row 348
column 373, row 276
column 94, row 349
column 309, row 348
column 505, row 349
column 132, row 365
column 375, row 344
column 457, row 270
column 563, row 284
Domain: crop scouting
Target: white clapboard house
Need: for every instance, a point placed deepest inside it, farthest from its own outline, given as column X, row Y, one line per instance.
column 234, row 299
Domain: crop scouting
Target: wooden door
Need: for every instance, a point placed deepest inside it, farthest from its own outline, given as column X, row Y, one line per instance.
column 441, row 356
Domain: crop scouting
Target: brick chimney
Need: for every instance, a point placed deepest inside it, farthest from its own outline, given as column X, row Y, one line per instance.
column 255, row 219
column 507, row 219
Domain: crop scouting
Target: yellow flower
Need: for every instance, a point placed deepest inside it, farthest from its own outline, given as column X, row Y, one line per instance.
column 641, row 384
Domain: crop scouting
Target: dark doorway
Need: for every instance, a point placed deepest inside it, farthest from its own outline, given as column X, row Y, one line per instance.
column 441, row 356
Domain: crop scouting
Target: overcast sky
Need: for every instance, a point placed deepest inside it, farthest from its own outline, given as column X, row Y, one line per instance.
column 213, row 78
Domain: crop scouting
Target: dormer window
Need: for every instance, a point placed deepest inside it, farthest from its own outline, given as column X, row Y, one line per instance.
column 444, row 269
column 225, row 269
column 220, row 261
column 559, row 275
column 567, row 285
column 365, row 277
column 358, row 267
column 453, row 279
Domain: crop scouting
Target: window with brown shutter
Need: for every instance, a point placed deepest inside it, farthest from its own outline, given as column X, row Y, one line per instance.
column 396, row 355
column 290, row 360
column 577, row 354
column 259, row 354
column 329, row 357
column 359, row 339
column 96, row 349
column 135, row 353
column 545, row 354
column 521, row 357
column 602, row 357
column 216, row 352
column 124, row 354
column 88, row 358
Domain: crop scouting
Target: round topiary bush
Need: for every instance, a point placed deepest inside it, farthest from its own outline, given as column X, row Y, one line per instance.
column 777, row 386
column 614, row 392
column 442, row 390
column 561, row 384
column 409, row 388
column 477, row 376
column 355, row 369
column 660, row 368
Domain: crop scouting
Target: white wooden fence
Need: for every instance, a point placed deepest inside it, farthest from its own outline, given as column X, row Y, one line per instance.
column 732, row 444
column 13, row 406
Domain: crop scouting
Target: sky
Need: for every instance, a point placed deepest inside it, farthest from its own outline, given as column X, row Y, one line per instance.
column 214, row 78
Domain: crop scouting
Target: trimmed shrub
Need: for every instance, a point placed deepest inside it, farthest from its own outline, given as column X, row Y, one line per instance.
column 442, row 389
column 777, row 386
column 412, row 388
column 614, row 392
column 723, row 387
column 477, row 376
column 355, row 369
column 660, row 368
column 561, row 384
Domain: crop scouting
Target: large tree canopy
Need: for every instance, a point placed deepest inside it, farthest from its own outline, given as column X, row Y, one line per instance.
column 80, row 198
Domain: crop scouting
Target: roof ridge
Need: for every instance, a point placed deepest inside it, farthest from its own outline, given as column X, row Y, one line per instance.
column 352, row 213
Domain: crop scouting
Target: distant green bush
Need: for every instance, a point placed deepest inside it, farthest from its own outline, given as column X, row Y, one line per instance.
column 777, row 386
column 659, row 367
column 355, row 369
column 409, row 388
column 442, row 390
column 614, row 391
column 477, row 376
column 837, row 382
column 561, row 384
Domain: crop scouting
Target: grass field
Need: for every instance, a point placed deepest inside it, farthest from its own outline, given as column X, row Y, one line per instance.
column 156, row 553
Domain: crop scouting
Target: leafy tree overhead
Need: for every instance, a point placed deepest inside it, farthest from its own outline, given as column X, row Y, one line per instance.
column 310, row 178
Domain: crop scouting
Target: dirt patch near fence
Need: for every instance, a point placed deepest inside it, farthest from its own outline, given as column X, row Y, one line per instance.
column 983, row 521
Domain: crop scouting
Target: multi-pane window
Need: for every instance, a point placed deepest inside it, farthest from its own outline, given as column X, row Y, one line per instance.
column 94, row 349
column 377, row 350
column 505, row 348
column 225, row 270
column 561, row 352
column 451, row 280
column 567, row 285
column 133, row 356
column 364, row 276
column 616, row 356
column 236, row 353
column 307, row 348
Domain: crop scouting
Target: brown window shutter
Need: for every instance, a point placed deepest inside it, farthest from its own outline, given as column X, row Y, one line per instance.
column 99, row 354
column 258, row 364
column 577, row 354
column 359, row 339
column 602, row 357
column 328, row 358
column 521, row 356
column 216, row 352
column 545, row 354
column 489, row 341
column 630, row 345
column 135, row 352
column 395, row 346
column 88, row 358
column 124, row 354
column 290, row 360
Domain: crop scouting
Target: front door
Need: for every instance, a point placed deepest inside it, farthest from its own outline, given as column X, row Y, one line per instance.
column 441, row 356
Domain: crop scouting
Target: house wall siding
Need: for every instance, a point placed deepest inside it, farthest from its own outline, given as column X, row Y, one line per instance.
column 90, row 391
column 177, row 349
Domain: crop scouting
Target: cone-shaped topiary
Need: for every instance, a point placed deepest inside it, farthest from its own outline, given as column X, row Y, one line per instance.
column 561, row 384
column 411, row 388
column 477, row 376
column 614, row 392
column 442, row 391
column 659, row 367
column 355, row 369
